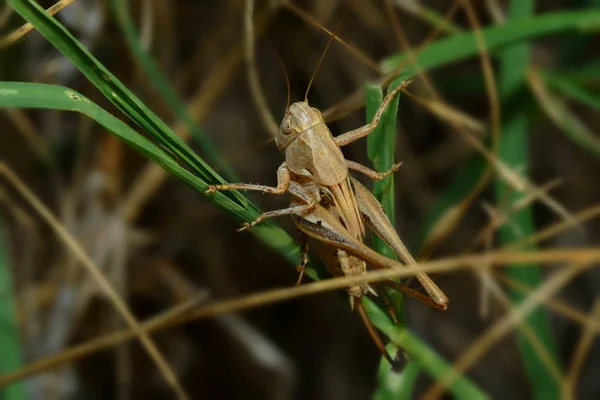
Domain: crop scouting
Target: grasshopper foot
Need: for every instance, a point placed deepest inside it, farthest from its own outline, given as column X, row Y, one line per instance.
column 396, row 166
column 211, row 189
column 245, row 226
column 300, row 269
column 390, row 171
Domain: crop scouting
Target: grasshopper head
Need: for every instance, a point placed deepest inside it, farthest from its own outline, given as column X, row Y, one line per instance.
column 298, row 118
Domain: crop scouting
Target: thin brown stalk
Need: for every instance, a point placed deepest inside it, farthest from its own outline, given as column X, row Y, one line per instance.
column 499, row 258
column 581, row 352
column 555, row 305
column 505, row 325
column 14, row 36
column 523, row 326
column 77, row 250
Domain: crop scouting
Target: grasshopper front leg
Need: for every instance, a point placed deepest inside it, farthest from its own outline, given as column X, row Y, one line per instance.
column 376, row 176
column 283, row 182
column 378, row 221
column 353, row 135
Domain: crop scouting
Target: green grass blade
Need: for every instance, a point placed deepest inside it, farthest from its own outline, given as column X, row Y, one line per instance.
column 461, row 46
column 35, row 95
column 571, row 89
column 513, row 150
column 115, row 91
column 171, row 98
column 10, row 336
column 381, row 145
column 134, row 109
column 423, row 355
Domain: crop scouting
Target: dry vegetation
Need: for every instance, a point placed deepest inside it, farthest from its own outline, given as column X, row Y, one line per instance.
column 165, row 248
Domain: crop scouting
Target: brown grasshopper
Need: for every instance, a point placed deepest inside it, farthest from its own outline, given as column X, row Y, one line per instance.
column 330, row 206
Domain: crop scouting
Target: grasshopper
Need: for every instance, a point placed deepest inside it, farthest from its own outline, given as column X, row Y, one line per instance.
column 330, row 206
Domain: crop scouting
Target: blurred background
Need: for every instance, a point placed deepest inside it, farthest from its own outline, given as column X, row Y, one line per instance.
column 160, row 242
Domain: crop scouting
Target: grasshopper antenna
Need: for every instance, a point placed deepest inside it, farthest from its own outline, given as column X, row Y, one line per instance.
column 285, row 74
column 331, row 38
column 365, row 319
column 260, row 100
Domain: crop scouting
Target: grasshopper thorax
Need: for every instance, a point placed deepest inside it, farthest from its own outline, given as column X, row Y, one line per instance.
column 310, row 149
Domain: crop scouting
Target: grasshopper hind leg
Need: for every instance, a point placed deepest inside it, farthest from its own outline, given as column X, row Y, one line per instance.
column 377, row 220
column 362, row 312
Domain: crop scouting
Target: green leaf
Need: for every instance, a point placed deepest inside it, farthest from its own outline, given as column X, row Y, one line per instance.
column 381, row 146
column 461, row 46
column 10, row 335
column 115, row 91
column 513, row 150
column 36, row 95
column 238, row 206
column 570, row 89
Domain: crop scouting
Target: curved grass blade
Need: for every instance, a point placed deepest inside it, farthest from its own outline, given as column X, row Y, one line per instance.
column 238, row 206
column 171, row 98
column 513, row 150
column 116, row 92
column 36, row 95
column 461, row 46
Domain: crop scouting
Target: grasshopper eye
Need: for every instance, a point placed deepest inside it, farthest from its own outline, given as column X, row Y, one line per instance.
column 286, row 127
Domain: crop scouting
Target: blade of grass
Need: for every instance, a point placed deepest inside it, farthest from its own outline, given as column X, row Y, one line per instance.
column 116, row 92
column 10, row 335
column 571, row 89
column 461, row 46
column 238, row 206
column 381, row 145
column 423, row 355
column 171, row 98
column 35, row 95
column 514, row 64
